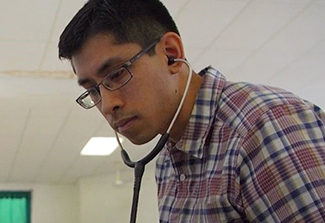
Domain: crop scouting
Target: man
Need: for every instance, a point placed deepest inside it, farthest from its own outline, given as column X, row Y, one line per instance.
column 237, row 152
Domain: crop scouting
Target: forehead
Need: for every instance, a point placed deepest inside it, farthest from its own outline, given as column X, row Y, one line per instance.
column 99, row 50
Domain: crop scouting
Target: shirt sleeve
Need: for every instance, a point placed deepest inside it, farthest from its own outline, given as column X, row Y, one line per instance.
column 282, row 166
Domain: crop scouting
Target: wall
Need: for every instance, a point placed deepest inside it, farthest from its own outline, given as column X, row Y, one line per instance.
column 93, row 199
column 51, row 203
column 103, row 201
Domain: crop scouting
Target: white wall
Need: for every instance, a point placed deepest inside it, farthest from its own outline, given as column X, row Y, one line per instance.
column 103, row 201
column 92, row 200
column 51, row 203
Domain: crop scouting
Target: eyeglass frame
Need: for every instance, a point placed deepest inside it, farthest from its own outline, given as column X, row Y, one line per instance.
column 126, row 66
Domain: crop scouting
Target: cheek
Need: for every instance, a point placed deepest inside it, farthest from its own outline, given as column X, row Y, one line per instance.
column 143, row 97
column 142, row 88
column 107, row 117
column 150, row 92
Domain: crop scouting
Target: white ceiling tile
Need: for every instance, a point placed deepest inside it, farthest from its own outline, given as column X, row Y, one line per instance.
column 260, row 66
column 36, row 87
column 108, row 165
column 257, row 23
column 224, row 60
column 305, row 71
column 27, row 20
column 318, row 49
column 83, row 166
column 42, row 130
column 314, row 93
column 67, row 9
column 78, row 129
column 51, row 61
column 301, row 34
column 88, row 165
column 20, row 55
column 175, row 7
column 319, row 3
column 191, row 55
column 199, row 23
column 11, row 134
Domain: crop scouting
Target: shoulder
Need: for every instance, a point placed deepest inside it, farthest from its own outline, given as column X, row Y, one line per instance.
column 248, row 97
column 242, row 105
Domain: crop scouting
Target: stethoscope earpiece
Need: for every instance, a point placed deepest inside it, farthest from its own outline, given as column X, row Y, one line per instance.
column 171, row 60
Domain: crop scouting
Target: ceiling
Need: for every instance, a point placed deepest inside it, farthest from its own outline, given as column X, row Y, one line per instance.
column 42, row 129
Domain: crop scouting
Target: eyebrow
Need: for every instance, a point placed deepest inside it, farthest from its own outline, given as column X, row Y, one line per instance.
column 108, row 64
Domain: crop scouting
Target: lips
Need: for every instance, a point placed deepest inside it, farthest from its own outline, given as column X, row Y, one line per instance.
column 124, row 124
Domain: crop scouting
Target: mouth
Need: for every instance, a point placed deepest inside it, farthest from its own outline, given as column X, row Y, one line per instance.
column 124, row 124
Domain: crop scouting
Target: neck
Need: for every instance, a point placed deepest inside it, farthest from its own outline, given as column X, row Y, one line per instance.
column 186, row 110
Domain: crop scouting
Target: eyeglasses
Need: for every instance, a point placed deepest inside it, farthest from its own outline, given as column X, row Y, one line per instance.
column 112, row 81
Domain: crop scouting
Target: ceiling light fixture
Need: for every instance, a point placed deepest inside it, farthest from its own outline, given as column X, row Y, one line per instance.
column 100, row 146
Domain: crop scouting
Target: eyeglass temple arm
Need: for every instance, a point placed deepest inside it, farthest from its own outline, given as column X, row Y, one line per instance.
column 143, row 51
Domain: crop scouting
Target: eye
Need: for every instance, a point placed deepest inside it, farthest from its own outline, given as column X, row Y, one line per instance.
column 93, row 92
column 117, row 75
column 116, row 79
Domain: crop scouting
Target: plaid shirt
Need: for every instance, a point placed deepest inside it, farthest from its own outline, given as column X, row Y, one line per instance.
column 250, row 153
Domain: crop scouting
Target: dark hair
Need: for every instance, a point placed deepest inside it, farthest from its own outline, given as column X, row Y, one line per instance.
column 128, row 21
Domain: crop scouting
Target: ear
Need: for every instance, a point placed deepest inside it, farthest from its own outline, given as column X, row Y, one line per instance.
column 172, row 48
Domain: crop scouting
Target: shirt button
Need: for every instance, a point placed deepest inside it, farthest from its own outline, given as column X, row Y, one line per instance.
column 182, row 177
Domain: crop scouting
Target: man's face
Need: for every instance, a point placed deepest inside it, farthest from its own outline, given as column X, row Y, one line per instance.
column 143, row 107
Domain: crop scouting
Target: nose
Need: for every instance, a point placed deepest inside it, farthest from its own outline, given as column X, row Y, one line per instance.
column 111, row 101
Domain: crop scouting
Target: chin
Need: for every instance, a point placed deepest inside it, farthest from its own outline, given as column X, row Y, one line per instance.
column 140, row 140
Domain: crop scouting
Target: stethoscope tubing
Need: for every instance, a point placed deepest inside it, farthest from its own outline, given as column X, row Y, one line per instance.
column 139, row 166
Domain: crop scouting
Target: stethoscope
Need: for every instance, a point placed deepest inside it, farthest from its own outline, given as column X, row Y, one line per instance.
column 139, row 166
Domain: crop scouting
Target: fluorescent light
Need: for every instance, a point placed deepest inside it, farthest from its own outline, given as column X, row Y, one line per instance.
column 100, row 146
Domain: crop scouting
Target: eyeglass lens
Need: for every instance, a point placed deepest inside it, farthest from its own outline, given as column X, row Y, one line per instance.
column 113, row 81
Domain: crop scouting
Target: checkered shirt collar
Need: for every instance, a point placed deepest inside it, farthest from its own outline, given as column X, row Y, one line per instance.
column 203, row 114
